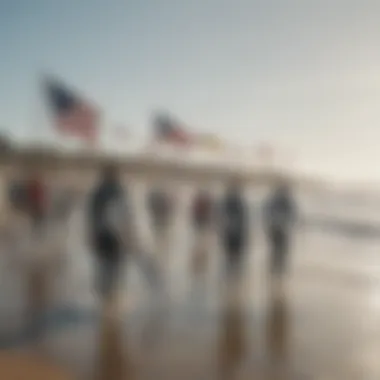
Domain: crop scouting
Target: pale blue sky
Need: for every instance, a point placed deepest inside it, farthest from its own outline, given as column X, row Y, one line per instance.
column 303, row 74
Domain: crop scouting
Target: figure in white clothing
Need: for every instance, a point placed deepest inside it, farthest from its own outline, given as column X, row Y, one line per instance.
column 35, row 253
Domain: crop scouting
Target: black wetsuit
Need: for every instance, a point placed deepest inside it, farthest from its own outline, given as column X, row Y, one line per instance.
column 280, row 214
column 106, row 241
column 234, row 229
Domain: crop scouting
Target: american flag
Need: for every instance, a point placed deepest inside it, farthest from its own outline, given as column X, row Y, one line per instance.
column 167, row 130
column 72, row 115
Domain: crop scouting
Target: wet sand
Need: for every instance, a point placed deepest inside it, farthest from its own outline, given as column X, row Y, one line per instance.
column 323, row 323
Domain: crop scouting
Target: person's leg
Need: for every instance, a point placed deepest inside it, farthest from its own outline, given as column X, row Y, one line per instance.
column 279, row 262
column 229, row 259
column 282, row 253
column 99, row 275
column 238, row 261
column 236, row 247
column 108, row 285
column 166, row 236
column 196, row 247
column 204, row 240
column 114, row 286
column 107, row 276
column 200, row 252
column 273, row 280
column 233, row 262
column 158, row 236
column 105, row 248
column 275, row 253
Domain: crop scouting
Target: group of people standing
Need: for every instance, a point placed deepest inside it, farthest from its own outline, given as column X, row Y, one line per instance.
column 113, row 225
column 113, row 234
column 232, row 219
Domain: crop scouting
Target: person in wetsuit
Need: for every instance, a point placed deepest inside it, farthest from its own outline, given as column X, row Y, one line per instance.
column 202, row 217
column 160, row 208
column 234, row 229
column 280, row 215
column 107, row 215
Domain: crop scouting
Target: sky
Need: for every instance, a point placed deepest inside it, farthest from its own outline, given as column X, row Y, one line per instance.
column 303, row 75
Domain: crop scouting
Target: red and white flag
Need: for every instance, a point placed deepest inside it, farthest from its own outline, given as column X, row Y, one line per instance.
column 72, row 115
column 167, row 130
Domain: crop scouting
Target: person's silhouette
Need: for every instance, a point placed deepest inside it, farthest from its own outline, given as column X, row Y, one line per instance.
column 280, row 214
column 234, row 228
